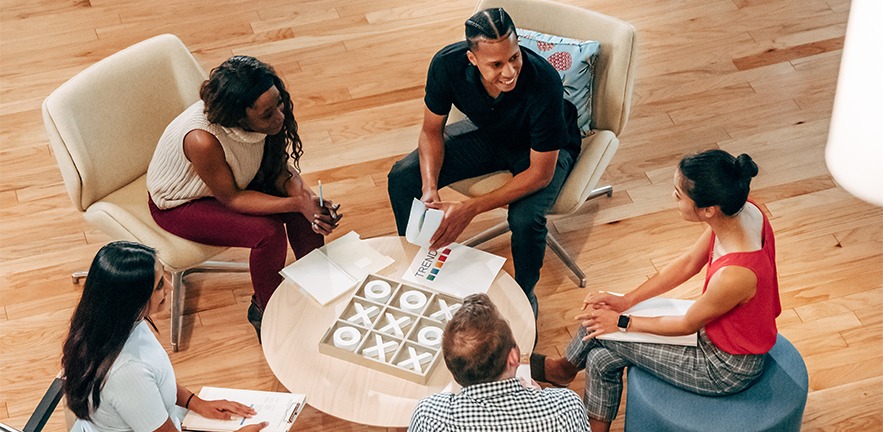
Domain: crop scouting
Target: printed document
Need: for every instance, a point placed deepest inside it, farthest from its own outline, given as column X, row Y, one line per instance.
column 455, row 269
column 279, row 409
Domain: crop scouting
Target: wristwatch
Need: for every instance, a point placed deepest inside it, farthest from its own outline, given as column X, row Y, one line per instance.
column 624, row 322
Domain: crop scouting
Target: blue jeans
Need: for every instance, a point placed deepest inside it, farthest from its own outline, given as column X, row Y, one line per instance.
column 468, row 153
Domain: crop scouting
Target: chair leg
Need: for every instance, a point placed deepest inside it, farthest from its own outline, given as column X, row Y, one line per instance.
column 177, row 319
column 566, row 258
column 77, row 275
column 488, row 234
column 604, row 190
column 218, row 266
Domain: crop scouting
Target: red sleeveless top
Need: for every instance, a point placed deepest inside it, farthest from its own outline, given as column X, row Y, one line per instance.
column 749, row 328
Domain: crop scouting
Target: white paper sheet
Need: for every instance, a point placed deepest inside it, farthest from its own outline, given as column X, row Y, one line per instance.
column 422, row 223
column 657, row 306
column 456, row 269
column 279, row 409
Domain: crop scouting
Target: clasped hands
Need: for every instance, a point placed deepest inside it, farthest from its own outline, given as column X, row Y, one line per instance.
column 601, row 312
column 325, row 217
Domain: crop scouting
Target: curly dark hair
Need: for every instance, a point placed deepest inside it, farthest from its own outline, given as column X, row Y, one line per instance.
column 234, row 86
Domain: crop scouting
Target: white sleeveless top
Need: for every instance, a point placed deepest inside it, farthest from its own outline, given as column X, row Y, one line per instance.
column 171, row 178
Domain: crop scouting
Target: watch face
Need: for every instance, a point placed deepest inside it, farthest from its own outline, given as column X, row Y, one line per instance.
column 623, row 321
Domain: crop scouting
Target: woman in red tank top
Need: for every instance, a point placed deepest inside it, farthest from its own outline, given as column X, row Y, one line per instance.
column 734, row 317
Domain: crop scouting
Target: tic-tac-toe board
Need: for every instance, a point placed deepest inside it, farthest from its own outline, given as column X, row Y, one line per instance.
column 392, row 327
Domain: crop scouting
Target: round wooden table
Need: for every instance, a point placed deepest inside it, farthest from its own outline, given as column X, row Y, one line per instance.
column 294, row 323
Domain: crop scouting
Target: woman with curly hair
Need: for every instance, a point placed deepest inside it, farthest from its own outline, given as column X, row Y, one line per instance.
column 225, row 173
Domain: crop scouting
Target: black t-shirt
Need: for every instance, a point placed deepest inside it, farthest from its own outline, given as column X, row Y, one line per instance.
column 533, row 115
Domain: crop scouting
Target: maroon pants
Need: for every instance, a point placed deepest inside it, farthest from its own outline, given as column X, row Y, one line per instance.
column 207, row 221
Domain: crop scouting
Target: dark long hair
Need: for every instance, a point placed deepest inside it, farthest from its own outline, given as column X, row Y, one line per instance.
column 234, row 86
column 115, row 296
column 489, row 24
column 716, row 178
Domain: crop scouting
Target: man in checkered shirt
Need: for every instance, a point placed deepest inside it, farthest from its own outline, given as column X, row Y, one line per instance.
column 481, row 353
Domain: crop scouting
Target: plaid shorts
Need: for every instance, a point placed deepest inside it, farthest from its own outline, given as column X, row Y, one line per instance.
column 704, row 369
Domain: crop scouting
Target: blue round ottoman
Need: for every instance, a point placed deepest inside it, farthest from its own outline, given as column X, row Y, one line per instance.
column 774, row 403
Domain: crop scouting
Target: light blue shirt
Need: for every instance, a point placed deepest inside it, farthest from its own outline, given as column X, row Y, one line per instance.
column 140, row 391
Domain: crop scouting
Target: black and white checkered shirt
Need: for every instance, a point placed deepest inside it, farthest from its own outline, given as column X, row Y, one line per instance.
column 501, row 406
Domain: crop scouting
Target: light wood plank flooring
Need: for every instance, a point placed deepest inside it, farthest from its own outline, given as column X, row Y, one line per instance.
column 753, row 76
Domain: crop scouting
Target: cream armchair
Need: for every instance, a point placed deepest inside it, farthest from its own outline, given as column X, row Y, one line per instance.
column 103, row 126
column 614, row 79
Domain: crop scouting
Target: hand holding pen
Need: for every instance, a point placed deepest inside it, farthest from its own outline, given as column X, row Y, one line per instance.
column 328, row 217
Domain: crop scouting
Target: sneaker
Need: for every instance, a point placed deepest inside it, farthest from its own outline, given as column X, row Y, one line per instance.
column 255, row 316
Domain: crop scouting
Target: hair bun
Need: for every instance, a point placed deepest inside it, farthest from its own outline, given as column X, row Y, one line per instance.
column 746, row 166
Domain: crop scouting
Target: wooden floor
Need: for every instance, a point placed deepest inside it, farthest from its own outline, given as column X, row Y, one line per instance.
column 753, row 76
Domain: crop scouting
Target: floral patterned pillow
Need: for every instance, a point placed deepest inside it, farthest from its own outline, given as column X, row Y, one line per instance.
column 575, row 62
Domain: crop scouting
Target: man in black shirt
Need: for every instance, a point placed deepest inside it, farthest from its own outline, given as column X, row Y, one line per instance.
column 518, row 121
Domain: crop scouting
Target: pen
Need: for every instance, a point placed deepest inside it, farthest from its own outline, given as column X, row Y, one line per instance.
column 242, row 422
column 321, row 200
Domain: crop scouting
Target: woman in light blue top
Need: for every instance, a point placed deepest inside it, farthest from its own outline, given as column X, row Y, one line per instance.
column 117, row 375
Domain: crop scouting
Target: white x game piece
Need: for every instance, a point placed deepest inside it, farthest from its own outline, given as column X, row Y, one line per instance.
column 380, row 348
column 445, row 312
column 415, row 361
column 363, row 315
column 394, row 326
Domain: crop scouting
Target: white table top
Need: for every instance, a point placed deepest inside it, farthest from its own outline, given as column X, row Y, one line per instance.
column 294, row 323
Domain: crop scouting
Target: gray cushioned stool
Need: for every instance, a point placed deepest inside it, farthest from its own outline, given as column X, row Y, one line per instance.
column 774, row 403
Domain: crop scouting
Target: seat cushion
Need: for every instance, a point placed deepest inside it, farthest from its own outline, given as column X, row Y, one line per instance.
column 575, row 62
column 124, row 215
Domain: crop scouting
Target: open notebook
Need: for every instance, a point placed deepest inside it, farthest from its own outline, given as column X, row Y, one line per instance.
column 279, row 409
column 335, row 268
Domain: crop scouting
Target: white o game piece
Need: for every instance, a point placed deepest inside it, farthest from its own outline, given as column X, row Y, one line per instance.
column 412, row 301
column 378, row 291
column 430, row 336
column 347, row 338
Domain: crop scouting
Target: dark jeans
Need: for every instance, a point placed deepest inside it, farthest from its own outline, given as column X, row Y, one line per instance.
column 470, row 154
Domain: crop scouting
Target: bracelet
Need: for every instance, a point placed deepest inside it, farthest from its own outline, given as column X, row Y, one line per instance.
column 187, row 405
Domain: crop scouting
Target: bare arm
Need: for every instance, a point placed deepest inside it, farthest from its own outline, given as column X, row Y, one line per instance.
column 675, row 273
column 204, row 151
column 729, row 287
column 431, row 148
